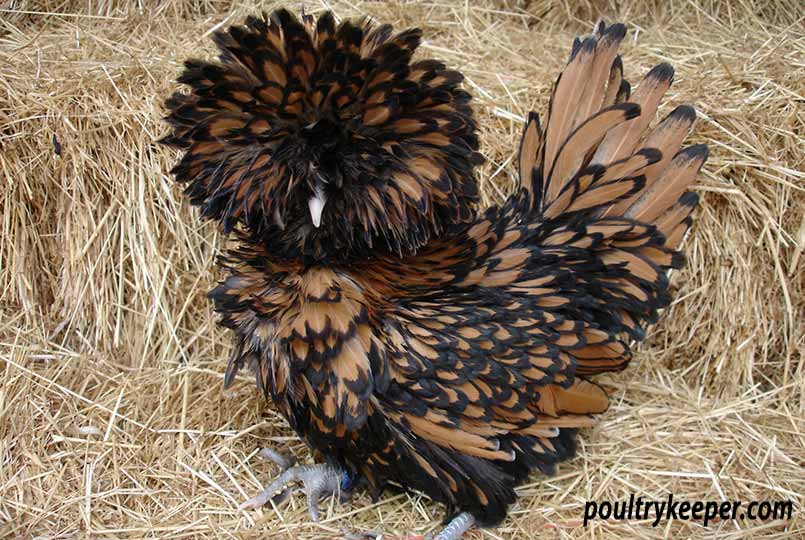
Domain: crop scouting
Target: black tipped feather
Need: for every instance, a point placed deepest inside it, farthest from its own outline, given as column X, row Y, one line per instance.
column 411, row 339
column 248, row 161
column 661, row 72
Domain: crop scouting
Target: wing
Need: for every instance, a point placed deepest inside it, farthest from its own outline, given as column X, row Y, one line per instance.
column 485, row 336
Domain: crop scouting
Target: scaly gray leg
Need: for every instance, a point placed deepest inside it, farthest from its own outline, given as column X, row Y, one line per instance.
column 454, row 531
column 457, row 527
column 319, row 480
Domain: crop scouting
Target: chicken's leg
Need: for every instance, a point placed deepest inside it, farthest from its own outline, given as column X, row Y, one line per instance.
column 457, row 527
column 319, row 480
column 453, row 531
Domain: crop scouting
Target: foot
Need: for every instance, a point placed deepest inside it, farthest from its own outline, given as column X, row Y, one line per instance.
column 454, row 531
column 319, row 480
column 457, row 527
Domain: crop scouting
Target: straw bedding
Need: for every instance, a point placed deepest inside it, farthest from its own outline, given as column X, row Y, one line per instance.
column 113, row 421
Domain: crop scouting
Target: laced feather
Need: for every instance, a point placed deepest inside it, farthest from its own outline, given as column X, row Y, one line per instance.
column 458, row 369
column 598, row 164
column 596, row 154
column 294, row 106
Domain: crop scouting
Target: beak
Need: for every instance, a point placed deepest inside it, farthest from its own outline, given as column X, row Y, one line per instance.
column 316, row 205
column 278, row 219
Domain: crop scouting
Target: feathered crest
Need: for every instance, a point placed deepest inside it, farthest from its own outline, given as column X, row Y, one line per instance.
column 295, row 108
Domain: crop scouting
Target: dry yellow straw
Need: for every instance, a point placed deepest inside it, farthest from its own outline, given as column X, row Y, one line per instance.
column 113, row 422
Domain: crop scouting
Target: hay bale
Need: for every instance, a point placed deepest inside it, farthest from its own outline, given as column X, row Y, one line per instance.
column 113, row 422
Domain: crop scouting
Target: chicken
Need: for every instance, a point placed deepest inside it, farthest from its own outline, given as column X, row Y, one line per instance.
column 408, row 337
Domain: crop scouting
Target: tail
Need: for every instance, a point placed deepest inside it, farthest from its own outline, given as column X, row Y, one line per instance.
column 596, row 153
column 598, row 177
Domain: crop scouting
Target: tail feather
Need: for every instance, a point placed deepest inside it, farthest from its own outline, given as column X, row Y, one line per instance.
column 675, row 221
column 639, row 162
column 618, row 89
column 598, row 177
column 566, row 94
column 620, row 142
column 662, row 194
column 606, row 51
column 596, row 153
column 667, row 137
column 584, row 137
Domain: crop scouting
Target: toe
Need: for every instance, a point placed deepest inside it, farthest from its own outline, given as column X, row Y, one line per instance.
column 313, row 506
column 254, row 502
column 282, row 496
column 283, row 461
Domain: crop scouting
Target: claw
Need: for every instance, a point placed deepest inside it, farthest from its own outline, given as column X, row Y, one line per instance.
column 319, row 480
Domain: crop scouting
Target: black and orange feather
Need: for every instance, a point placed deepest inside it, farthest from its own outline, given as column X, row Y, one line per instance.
column 294, row 106
column 456, row 365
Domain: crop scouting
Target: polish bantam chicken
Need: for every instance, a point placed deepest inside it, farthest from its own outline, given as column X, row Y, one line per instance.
column 408, row 337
